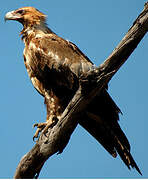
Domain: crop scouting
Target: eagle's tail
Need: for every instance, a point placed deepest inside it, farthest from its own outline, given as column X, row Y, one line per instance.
column 126, row 156
column 110, row 141
column 101, row 121
column 124, row 153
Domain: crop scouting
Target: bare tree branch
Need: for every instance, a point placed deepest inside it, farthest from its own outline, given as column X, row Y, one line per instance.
column 91, row 84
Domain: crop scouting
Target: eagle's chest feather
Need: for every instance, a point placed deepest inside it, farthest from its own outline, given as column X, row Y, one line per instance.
column 49, row 83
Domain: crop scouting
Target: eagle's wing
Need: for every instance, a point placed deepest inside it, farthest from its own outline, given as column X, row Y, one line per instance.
column 58, row 64
column 52, row 54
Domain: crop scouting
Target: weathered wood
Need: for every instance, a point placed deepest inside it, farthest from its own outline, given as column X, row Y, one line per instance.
column 55, row 140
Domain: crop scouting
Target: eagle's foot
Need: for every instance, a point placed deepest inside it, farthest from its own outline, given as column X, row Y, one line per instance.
column 40, row 127
column 50, row 124
column 44, row 126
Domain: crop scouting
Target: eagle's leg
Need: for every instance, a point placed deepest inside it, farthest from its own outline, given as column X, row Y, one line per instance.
column 53, row 106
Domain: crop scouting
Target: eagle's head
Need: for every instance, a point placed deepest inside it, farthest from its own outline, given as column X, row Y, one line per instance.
column 28, row 16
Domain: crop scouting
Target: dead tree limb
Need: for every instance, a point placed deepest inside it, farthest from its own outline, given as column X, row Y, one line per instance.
column 91, row 84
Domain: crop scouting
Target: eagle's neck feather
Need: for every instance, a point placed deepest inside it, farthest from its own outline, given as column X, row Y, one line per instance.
column 33, row 29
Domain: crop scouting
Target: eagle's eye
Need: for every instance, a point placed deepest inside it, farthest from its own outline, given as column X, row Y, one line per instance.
column 21, row 11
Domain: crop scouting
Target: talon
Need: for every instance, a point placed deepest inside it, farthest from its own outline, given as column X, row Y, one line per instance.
column 35, row 125
column 36, row 135
column 40, row 127
column 44, row 127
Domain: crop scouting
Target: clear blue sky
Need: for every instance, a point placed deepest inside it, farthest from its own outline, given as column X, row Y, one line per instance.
column 96, row 27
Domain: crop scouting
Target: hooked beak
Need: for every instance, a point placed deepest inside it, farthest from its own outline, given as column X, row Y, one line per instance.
column 11, row 16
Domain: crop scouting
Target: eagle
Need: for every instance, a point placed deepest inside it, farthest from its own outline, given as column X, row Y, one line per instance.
column 55, row 66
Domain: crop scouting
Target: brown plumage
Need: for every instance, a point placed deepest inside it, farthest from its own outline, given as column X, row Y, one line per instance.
column 54, row 66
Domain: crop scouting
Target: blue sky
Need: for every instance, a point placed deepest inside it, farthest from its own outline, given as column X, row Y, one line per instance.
column 96, row 27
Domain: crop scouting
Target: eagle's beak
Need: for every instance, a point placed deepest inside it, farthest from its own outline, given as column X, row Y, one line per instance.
column 11, row 16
